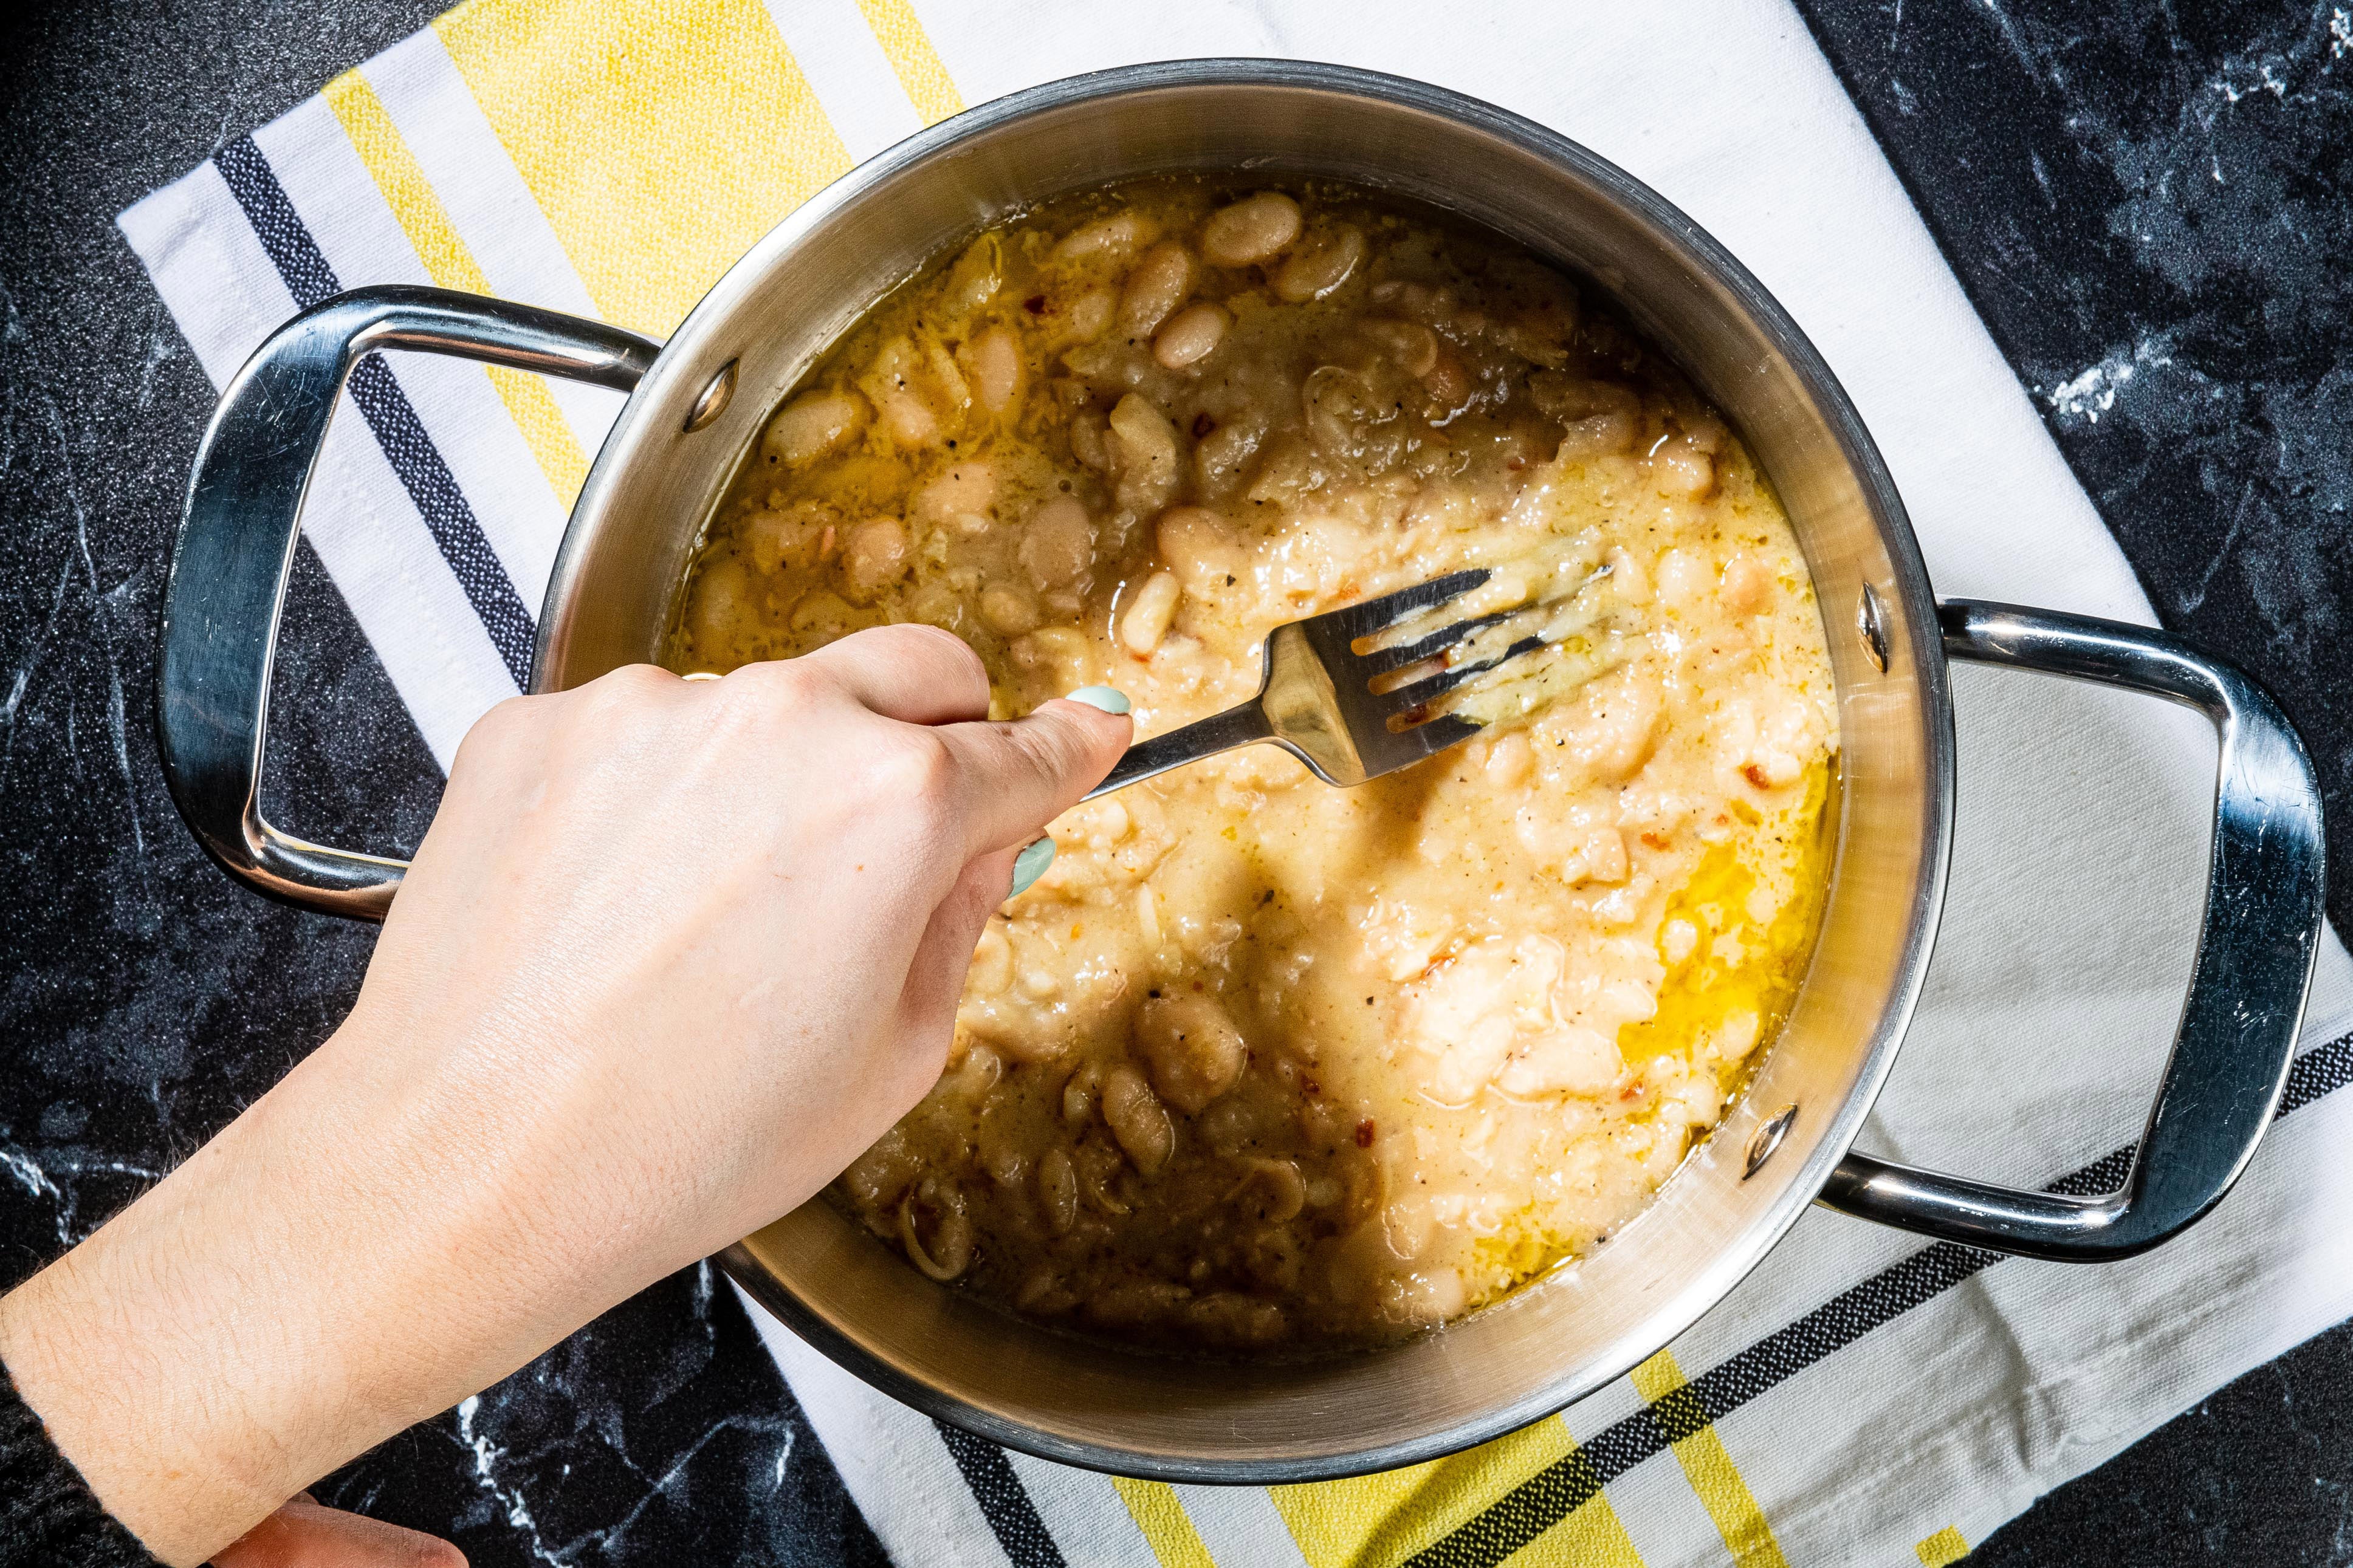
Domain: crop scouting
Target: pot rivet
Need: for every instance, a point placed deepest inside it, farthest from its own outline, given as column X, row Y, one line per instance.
column 1870, row 623
column 714, row 399
column 1767, row 1139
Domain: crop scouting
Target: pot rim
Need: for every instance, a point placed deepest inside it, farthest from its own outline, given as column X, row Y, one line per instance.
column 1706, row 1285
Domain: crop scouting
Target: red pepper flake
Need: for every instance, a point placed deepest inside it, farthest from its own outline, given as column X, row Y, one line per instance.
column 1365, row 1133
column 1202, row 425
column 1755, row 775
column 1035, row 304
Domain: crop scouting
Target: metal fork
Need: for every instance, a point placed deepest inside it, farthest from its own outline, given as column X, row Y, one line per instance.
column 1316, row 698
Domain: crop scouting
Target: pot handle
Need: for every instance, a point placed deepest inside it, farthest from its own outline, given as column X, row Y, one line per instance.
column 236, row 542
column 2255, row 951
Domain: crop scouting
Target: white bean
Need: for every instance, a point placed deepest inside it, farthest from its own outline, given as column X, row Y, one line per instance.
column 1600, row 856
column 1148, row 454
column 993, row 360
column 1057, row 1191
column 1149, row 613
column 1008, row 611
column 1195, row 1052
column 1199, row 548
column 1411, row 345
column 909, row 420
column 1089, row 313
column 1315, row 270
column 950, row 1252
column 965, row 489
column 1162, row 281
column 1509, row 760
column 992, row 961
column 1747, row 584
column 1191, row 336
column 1680, row 470
column 1116, row 237
column 813, row 425
column 1254, row 229
column 875, row 556
column 1058, row 542
column 723, row 600
column 1137, row 1120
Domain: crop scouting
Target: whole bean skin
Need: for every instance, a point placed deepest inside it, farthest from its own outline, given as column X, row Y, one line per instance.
column 1195, row 1051
column 1137, row 1119
column 1191, row 336
column 1681, row 470
column 1313, row 271
column 809, row 427
column 1009, row 611
column 965, row 489
column 1148, row 454
column 1163, row 278
column 911, row 421
column 1148, row 615
column 1252, row 230
column 1119, row 234
column 1199, row 546
column 1059, row 543
column 875, row 555
column 996, row 370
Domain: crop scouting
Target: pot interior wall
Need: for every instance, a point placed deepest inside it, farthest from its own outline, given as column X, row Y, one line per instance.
column 653, row 485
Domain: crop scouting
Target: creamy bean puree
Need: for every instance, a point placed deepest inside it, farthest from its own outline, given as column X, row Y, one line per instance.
column 1260, row 1062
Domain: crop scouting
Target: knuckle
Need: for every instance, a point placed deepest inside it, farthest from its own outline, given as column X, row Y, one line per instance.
column 787, row 685
column 914, row 770
column 498, row 732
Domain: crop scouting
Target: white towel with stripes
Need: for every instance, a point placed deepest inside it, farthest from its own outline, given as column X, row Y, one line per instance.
column 1861, row 1397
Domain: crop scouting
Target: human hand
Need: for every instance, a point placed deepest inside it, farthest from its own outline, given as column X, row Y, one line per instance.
column 302, row 1534
column 672, row 955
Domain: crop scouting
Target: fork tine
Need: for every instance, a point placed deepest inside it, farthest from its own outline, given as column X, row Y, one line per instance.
column 1407, row 698
column 1372, row 615
column 1380, row 661
column 1398, row 748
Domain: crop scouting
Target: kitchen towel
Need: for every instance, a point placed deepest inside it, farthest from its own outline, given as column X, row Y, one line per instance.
column 1862, row 1397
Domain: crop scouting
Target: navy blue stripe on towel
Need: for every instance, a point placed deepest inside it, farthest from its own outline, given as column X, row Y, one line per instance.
column 423, row 472
column 1004, row 1500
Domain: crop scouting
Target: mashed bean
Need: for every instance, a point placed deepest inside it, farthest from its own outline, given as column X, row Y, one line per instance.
column 1260, row 1062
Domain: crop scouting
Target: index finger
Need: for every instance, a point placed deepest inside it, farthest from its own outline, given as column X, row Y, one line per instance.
column 914, row 673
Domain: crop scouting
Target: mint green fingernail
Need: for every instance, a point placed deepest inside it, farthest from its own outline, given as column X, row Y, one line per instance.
column 1032, row 863
column 1110, row 698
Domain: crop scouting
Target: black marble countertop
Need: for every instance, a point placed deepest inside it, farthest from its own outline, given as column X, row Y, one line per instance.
column 2148, row 203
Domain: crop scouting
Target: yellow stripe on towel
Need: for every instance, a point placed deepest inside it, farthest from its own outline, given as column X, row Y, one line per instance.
column 1160, row 1514
column 909, row 49
column 661, row 138
column 1706, row 1464
column 448, row 263
column 1943, row 1549
column 1380, row 1520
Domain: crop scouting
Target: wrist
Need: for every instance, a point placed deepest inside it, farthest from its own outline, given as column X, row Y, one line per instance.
column 102, row 1349
column 249, row 1322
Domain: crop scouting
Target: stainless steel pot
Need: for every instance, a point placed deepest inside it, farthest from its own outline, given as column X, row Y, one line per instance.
column 697, row 405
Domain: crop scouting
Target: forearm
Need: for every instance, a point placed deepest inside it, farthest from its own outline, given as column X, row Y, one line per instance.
column 253, row 1320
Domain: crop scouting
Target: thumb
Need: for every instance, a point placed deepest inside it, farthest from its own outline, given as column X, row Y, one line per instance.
column 1013, row 779
column 302, row 1534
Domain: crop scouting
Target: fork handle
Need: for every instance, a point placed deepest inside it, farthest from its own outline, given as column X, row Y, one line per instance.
column 1242, row 726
